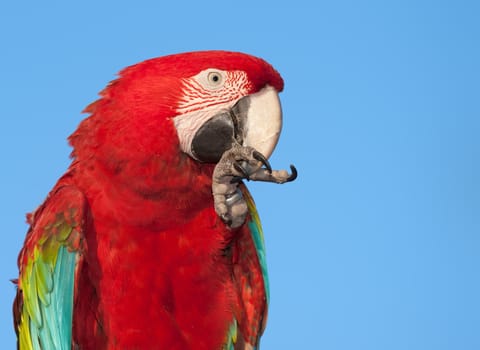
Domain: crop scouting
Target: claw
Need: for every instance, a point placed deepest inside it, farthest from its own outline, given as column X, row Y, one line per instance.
column 236, row 180
column 276, row 176
column 236, row 164
column 241, row 170
column 226, row 219
column 261, row 158
column 293, row 175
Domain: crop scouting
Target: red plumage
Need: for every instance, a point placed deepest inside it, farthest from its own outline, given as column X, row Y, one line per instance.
column 158, row 268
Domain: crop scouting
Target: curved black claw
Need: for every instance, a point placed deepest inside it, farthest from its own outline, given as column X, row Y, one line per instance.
column 294, row 174
column 241, row 170
column 236, row 180
column 261, row 158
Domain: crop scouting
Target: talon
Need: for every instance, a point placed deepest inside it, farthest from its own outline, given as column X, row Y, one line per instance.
column 226, row 220
column 261, row 158
column 235, row 165
column 236, row 180
column 241, row 170
column 293, row 175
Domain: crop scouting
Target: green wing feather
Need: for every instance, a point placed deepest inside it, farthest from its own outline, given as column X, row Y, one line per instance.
column 231, row 337
column 258, row 239
column 47, row 266
column 254, row 316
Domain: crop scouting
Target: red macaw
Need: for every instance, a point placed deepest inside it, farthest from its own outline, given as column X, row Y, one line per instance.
column 151, row 240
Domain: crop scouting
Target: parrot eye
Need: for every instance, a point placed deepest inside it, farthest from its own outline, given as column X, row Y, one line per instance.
column 215, row 79
column 211, row 79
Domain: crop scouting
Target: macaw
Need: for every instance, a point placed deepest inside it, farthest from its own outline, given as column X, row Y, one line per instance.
column 150, row 240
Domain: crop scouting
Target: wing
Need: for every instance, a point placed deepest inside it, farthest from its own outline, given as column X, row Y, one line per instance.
column 43, row 306
column 250, row 273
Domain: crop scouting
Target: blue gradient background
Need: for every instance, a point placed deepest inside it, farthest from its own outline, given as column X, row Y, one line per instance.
column 376, row 245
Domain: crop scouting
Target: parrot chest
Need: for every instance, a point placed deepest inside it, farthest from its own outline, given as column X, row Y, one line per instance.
column 168, row 287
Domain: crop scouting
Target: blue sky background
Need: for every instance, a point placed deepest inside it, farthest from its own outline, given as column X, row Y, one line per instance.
column 377, row 244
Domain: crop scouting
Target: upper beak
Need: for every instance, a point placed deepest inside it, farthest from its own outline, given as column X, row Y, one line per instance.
column 254, row 121
column 263, row 122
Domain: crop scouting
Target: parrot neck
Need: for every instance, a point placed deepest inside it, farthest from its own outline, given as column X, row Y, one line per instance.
column 148, row 191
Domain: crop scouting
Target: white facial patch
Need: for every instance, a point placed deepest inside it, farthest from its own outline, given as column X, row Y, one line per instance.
column 205, row 95
column 201, row 91
column 187, row 124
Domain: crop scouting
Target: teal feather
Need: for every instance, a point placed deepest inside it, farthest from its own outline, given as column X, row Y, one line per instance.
column 47, row 277
column 46, row 338
column 258, row 240
column 260, row 247
column 59, row 313
column 50, row 322
column 34, row 336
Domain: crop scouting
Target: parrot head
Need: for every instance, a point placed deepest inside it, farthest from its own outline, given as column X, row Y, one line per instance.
column 199, row 103
column 224, row 104
column 189, row 112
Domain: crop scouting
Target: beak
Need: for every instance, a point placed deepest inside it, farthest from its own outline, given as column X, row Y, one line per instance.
column 263, row 122
column 254, row 121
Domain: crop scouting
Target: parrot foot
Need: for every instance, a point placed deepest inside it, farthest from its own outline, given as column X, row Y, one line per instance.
column 236, row 164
